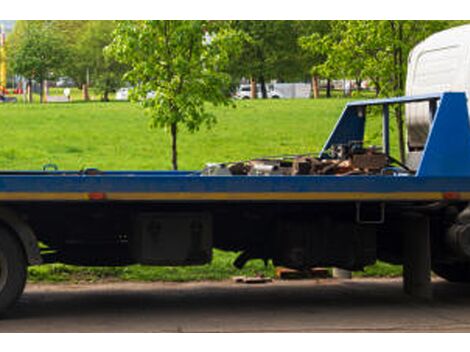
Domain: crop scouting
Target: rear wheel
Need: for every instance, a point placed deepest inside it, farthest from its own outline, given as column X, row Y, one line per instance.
column 454, row 272
column 12, row 270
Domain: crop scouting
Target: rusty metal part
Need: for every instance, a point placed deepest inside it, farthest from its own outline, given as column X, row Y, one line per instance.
column 348, row 160
column 305, row 165
column 370, row 160
column 240, row 168
column 292, row 274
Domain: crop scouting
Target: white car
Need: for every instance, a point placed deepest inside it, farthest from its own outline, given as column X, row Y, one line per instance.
column 122, row 94
column 244, row 92
column 63, row 82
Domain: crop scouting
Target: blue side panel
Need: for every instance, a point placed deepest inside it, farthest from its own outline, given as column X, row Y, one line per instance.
column 447, row 149
column 349, row 128
column 151, row 183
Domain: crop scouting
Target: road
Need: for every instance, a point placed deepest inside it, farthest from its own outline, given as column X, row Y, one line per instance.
column 295, row 306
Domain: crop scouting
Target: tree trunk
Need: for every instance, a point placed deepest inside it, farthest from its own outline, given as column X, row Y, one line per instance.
column 401, row 89
column 401, row 135
column 30, row 91
column 41, row 91
column 253, row 93
column 174, row 150
column 377, row 88
column 398, row 84
column 328, row 88
column 401, row 64
column 86, row 95
column 105, row 96
column 264, row 92
column 315, row 87
column 358, row 85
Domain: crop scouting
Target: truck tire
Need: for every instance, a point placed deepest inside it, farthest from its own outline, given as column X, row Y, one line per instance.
column 455, row 272
column 12, row 270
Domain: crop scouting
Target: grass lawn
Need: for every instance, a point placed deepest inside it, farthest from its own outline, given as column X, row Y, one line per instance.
column 116, row 136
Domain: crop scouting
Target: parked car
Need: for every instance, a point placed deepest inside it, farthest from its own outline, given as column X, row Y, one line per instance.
column 244, row 92
column 122, row 94
column 63, row 82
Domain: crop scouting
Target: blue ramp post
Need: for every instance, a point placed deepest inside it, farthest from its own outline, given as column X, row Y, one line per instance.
column 447, row 149
column 349, row 128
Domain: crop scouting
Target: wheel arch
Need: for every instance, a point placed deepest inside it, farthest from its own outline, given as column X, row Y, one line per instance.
column 23, row 232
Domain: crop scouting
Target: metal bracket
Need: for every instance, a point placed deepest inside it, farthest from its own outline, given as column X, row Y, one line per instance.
column 50, row 167
column 378, row 221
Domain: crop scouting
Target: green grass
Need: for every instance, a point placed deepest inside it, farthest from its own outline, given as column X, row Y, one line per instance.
column 221, row 268
column 116, row 136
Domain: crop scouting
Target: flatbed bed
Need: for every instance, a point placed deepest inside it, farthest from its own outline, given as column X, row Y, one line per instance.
column 192, row 186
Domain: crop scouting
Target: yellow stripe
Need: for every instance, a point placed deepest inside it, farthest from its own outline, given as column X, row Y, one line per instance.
column 348, row 196
column 277, row 196
column 43, row 196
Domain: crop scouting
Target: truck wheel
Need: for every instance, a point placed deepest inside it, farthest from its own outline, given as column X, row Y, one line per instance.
column 455, row 272
column 12, row 270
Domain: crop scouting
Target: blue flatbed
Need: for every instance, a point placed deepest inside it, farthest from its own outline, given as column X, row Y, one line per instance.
column 191, row 186
column 444, row 173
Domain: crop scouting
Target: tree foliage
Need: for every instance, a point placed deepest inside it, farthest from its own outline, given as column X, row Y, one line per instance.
column 105, row 72
column 70, row 48
column 270, row 51
column 72, row 33
column 36, row 51
column 181, row 64
column 373, row 50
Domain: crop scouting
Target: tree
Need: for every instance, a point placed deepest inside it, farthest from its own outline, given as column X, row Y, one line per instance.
column 36, row 52
column 314, row 49
column 77, row 68
column 182, row 64
column 86, row 41
column 105, row 72
column 269, row 51
column 374, row 50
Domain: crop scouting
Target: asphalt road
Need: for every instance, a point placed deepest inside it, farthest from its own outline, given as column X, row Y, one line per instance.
column 300, row 306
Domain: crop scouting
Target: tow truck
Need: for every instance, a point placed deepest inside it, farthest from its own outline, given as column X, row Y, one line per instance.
column 346, row 207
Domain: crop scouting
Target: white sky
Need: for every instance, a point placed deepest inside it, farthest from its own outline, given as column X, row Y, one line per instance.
column 234, row 9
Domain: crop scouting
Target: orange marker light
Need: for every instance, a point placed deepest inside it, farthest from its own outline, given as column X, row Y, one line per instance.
column 97, row 196
column 451, row 195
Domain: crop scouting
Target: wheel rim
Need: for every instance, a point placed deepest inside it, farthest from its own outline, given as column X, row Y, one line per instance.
column 3, row 271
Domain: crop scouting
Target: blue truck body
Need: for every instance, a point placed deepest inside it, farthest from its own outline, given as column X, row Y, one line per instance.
column 182, row 187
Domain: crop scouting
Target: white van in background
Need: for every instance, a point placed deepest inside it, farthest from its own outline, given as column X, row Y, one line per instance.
column 244, row 92
column 438, row 64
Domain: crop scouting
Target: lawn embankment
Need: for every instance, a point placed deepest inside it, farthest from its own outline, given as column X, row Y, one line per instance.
column 115, row 136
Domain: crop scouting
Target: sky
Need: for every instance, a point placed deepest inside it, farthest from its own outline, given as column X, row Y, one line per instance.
column 8, row 25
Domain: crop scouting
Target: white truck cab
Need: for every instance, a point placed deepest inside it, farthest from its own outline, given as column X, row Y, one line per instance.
column 438, row 64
